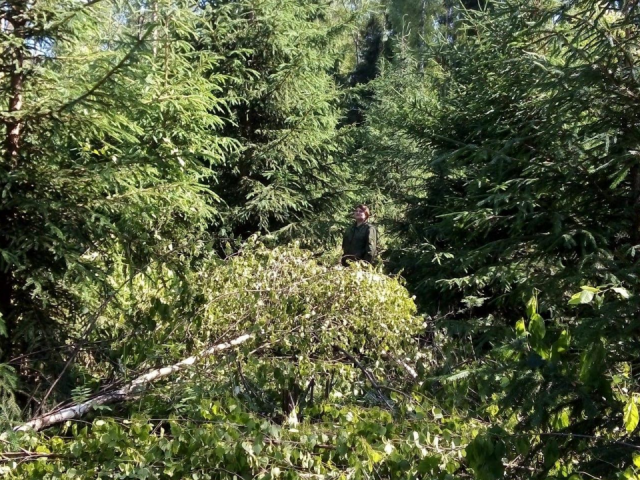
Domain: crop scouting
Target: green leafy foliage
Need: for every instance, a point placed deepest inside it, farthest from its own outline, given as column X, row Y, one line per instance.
column 497, row 142
column 292, row 403
column 630, row 415
column 495, row 157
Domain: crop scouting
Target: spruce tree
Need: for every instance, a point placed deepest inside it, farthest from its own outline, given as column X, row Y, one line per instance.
column 111, row 126
column 289, row 177
column 518, row 229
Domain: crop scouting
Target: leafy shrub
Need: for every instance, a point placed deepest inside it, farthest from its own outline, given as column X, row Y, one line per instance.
column 320, row 391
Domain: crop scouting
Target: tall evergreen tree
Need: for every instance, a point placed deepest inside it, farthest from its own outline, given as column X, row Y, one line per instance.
column 110, row 128
column 504, row 206
column 289, row 176
column 519, row 153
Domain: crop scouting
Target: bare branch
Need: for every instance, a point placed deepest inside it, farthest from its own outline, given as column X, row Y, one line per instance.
column 408, row 368
column 367, row 374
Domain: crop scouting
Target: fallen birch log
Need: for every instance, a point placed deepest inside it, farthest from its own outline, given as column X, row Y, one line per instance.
column 130, row 389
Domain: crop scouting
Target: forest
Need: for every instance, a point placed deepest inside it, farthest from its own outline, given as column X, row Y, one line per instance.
column 175, row 180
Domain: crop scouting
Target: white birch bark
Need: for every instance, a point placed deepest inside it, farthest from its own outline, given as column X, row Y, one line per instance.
column 128, row 390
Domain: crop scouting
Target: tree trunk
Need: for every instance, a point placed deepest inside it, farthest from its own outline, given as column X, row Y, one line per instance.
column 15, row 22
column 628, row 8
column 6, row 288
column 635, row 204
column 14, row 25
column 421, row 34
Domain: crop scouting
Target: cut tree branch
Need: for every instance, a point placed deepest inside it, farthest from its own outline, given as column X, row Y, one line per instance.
column 92, row 323
column 367, row 374
column 405, row 366
column 128, row 390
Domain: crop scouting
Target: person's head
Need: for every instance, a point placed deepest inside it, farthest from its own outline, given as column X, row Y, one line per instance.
column 361, row 213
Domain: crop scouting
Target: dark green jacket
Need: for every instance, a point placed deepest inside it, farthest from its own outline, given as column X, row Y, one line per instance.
column 360, row 243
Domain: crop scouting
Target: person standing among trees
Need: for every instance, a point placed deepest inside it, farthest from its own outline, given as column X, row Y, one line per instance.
column 361, row 239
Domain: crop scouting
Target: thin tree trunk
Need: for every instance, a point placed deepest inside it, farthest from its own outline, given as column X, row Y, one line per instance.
column 154, row 20
column 15, row 18
column 635, row 181
column 628, row 8
column 421, row 35
column 15, row 23
column 450, row 21
column 127, row 391
column 6, row 289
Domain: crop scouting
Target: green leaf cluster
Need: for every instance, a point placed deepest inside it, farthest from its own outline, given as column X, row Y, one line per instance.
column 291, row 404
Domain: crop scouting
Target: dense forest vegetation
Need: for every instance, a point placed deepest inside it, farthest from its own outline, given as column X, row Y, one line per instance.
column 175, row 177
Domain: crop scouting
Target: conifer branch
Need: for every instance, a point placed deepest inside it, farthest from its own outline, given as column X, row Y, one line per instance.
column 109, row 74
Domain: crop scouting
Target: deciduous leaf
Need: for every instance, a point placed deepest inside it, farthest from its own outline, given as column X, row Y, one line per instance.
column 537, row 327
column 590, row 289
column 623, row 292
column 532, row 306
column 631, row 415
column 583, row 297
